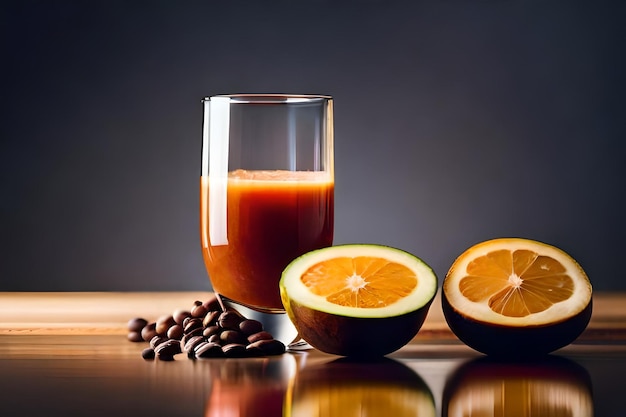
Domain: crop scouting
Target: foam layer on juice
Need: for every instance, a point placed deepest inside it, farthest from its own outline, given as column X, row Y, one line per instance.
column 316, row 177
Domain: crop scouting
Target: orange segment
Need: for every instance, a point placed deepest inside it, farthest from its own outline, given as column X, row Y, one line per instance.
column 363, row 281
column 516, row 283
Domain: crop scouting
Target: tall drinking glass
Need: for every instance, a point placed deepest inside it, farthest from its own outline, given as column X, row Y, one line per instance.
column 266, row 196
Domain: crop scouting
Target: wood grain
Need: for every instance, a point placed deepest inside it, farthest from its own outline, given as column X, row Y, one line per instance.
column 108, row 312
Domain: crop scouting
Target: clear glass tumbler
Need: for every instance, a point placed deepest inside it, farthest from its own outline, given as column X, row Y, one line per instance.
column 266, row 196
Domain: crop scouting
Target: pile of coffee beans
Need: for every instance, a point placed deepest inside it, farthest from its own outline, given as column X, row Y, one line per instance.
column 204, row 331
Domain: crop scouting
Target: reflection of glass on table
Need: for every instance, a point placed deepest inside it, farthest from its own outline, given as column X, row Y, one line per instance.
column 254, row 387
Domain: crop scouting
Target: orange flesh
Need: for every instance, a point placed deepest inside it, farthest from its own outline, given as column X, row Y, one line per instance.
column 363, row 281
column 518, row 283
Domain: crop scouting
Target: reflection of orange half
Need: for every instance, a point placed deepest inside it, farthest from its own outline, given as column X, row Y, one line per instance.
column 347, row 388
column 553, row 386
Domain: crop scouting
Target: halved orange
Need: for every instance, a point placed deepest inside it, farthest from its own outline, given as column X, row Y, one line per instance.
column 358, row 300
column 516, row 297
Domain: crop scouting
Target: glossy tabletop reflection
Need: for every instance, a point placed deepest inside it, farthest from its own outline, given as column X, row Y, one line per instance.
column 76, row 363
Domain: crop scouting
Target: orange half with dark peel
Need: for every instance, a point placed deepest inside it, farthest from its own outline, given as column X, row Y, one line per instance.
column 516, row 297
column 358, row 300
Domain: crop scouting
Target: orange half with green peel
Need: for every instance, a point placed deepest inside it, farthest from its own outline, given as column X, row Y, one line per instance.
column 358, row 300
column 516, row 297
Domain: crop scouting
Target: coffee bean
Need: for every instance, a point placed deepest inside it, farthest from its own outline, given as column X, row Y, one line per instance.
column 135, row 336
column 205, row 331
column 187, row 337
column 229, row 320
column 210, row 331
column 168, row 348
column 149, row 331
column 191, row 354
column 250, row 326
column 193, row 323
column 263, row 335
column 234, row 350
column 232, row 336
column 208, row 350
column 199, row 311
column 157, row 340
column 175, row 332
column 136, row 324
column 180, row 315
column 193, row 342
column 148, row 353
column 212, row 303
column 211, row 318
column 197, row 331
column 164, row 323
column 267, row 347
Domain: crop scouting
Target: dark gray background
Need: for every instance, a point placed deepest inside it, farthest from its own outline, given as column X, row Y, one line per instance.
column 456, row 122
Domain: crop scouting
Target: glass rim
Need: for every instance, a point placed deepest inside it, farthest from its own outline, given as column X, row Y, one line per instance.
column 271, row 98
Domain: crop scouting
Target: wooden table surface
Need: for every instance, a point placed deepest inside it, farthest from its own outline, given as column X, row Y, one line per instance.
column 67, row 354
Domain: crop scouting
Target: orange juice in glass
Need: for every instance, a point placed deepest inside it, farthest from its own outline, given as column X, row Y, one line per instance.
column 266, row 194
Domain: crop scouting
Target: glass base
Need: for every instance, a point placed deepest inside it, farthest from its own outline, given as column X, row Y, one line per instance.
column 277, row 323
